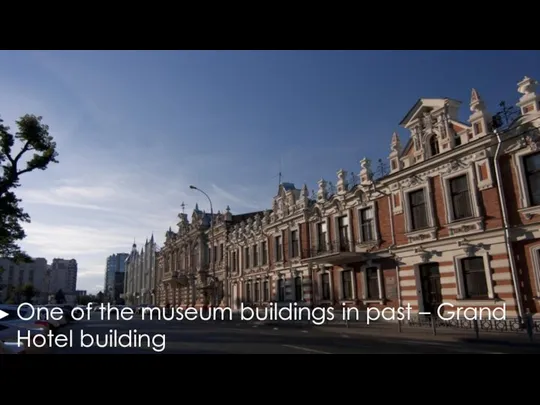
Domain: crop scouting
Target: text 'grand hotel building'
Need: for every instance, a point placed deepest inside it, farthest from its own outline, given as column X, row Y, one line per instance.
column 455, row 220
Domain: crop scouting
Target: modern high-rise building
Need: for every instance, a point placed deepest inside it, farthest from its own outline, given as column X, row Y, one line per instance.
column 115, row 264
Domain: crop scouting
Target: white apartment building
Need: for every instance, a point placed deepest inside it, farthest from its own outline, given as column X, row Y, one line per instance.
column 14, row 276
column 63, row 276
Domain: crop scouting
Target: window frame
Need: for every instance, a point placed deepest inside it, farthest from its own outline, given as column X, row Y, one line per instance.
column 460, row 277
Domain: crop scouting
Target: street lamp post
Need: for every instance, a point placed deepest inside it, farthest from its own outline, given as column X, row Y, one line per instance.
column 212, row 258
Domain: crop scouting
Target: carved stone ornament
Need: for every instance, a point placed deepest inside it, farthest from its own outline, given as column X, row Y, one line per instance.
column 533, row 142
column 455, row 165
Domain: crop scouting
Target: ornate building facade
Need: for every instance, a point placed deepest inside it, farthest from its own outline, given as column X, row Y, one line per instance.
column 454, row 220
column 140, row 274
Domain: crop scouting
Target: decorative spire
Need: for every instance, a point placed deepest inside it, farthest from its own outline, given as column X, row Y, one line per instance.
column 305, row 191
column 527, row 85
column 183, row 206
column 395, row 144
column 477, row 104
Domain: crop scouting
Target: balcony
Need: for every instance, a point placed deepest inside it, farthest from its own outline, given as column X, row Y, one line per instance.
column 334, row 253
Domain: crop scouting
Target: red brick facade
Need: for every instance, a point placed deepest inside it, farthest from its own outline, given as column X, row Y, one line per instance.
column 431, row 231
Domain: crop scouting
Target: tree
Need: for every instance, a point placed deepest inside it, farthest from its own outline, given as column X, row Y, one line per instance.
column 33, row 136
column 60, row 297
column 100, row 297
column 28, row 291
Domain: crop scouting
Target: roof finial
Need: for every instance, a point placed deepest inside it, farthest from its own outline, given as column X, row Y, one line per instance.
column 183, row 207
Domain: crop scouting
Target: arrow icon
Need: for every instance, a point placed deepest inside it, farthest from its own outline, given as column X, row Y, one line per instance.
column 3, row 314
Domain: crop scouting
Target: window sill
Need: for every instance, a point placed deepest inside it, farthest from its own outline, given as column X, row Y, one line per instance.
column 474, row 301
column 369, row 301
column 422, row 235
column 466, row 226
column 529, row 213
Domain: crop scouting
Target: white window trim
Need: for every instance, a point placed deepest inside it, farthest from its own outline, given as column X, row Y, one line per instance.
column 255, row 252
column 301, row 285
column 275, row 235
column 363, row 269
column 261, row 253
column 535, row 258
column 291, row 230
column 427, row 146
column 341, row 289
column 460, row 280
column 519, row 162
column 321, row 271
column 373, row 206
column 473, row 194
column 429, row 201
column 323, row 220
column 349, row 228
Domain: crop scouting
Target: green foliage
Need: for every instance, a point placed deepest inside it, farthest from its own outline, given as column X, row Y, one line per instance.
column 33, row 137
column 28, row 291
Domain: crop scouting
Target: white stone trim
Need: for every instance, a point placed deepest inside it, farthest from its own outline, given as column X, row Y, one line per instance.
column 294, row 276
column 426, row 234
column 397, row 209
column 274, row 236
column 325, row 270
column 534, row 251
column 353, row 280
column 460, row 281
column 337, row 234
column 488, row 182
column 525, row 202
column 473, row 195
column 315, row 230
column 296, row 228
column 373, row 206
column 363, row 269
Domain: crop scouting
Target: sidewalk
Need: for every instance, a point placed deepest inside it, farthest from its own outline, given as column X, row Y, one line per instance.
column 390, row 330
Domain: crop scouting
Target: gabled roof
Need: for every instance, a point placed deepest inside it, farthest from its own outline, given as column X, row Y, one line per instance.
column 427, row 103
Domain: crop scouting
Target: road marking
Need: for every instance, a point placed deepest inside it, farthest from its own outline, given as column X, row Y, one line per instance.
column 306, row 349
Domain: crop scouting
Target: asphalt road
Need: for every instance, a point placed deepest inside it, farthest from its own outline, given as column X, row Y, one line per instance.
column 247, row 338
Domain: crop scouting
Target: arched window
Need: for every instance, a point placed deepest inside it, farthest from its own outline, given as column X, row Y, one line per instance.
column 433, row 145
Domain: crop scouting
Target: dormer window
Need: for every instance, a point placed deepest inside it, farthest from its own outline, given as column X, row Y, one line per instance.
column 433, row 146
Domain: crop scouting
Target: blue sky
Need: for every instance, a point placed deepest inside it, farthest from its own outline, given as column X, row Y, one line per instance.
column 134, row 129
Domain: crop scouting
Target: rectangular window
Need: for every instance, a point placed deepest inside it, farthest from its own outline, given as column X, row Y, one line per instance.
column 321, row 236
column 460, row 198
column 248, row 292
column 233, row 264
column 278, row 254
column 266, row 291
column 255, row 256
column 264, row 253
column 532, row 174
column 295, row 244
column 367, row 229
column 372, row 286
column 343, row 231
column 298, row 290
column 221, row 252
column 281, row 290
column 257, row 295
column 325, row 287
column 474, row 278
column 417, row 201
column 246, row 257
column 347, row 284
